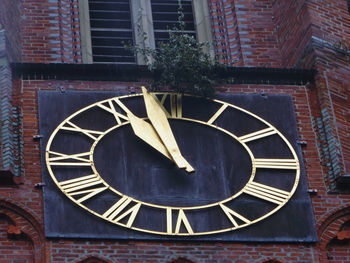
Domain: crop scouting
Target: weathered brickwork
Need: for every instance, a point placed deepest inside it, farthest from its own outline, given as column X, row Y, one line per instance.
column 333, row 97
column 5, row 115
column 6, row 127
column 225, row 32
column 293, row 26
column 166, row 252
column 263, row 33
column 315, row 34
column 50, row 31
column 10, row 26
column 69, row 31
column 257, row 32
column 11, row 239
column 330, row 21
column 10, row 51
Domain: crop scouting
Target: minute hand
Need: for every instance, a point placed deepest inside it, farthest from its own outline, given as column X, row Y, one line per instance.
column 160, row 123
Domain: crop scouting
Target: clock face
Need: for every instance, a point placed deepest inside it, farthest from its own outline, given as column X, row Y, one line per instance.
column 245, row 170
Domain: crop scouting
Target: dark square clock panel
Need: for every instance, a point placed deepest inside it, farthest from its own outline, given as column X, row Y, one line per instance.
column 110, row 165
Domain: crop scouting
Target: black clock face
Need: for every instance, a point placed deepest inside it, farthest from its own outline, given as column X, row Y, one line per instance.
column 245, row 169
column 163, row 183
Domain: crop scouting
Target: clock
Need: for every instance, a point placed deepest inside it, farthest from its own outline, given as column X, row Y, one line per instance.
column 171, row 165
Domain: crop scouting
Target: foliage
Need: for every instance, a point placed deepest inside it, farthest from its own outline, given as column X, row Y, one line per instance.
column 179, row 64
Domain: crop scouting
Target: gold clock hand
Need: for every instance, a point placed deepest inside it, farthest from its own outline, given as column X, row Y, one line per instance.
column 160, row 123
column 147, row 133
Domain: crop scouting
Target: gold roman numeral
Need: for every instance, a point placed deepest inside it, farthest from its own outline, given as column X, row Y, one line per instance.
column 267, row 193
column 181, row 219
column 231, row 214
column 82, row 186
column 80, row 159
column 115, row 213
column 257, row 135
column 111, row 109
column 73, row 127
column 276, row 163
column 217, row 114
column 175, row 104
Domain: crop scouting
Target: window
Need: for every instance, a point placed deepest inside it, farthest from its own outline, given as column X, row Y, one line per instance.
column 107, row 25
column 165, row 16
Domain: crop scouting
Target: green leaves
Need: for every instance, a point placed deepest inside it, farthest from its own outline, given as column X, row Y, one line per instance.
column 179, row 64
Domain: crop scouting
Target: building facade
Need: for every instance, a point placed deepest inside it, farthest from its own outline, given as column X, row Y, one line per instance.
column 300, row 49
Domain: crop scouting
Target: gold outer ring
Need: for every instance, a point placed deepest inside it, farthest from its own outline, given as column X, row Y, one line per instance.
column 290, row 193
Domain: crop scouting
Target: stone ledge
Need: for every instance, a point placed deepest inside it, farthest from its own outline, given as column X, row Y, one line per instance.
column 128, row 72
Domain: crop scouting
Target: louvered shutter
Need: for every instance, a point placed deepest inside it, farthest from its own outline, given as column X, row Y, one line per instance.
column 165, row 16
column 111, row 29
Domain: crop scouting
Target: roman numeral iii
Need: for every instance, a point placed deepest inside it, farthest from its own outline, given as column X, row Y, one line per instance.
column 267, row 193
column 276, row 163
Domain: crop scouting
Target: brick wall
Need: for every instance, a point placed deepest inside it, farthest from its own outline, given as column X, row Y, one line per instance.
column 330, row 20
column 225, row 32
column 10, row 22
column 315, row 34
column 257, row 32
column 6, row 141
column 339, row 252
column 265, row 33
column 6, row 137
column 50, row 31
column 333, row 97
column 14, row 247
column 151, row 252
column 10, row 51
column 293, row 26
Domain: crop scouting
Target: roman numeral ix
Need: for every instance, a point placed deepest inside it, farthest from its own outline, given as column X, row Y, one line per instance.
column 83, row 186
column 78, row 159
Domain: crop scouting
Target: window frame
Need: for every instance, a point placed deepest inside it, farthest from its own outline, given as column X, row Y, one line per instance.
column 201, row 19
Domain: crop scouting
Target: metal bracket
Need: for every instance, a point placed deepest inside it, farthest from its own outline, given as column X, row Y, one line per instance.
column 39, row 185
column 61, row 89
column 302, row 143
column 312, row 191
column 37, row 137
column 132, row 90
column 262, row 94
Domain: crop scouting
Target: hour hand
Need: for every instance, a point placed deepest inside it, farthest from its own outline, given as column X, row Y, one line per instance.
column 148, row 134
column 160, row 123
